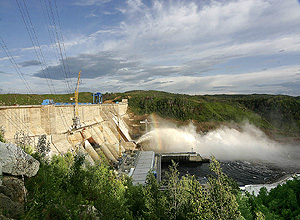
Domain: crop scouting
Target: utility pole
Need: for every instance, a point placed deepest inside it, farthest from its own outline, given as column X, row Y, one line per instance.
column 146, row 122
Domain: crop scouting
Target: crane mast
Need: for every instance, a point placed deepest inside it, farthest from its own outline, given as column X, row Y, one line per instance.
column 76, row 119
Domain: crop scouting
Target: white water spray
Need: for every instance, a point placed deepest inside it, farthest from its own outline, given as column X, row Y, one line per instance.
column 247, row 143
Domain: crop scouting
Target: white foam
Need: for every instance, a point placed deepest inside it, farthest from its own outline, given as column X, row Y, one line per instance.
column 245, row 143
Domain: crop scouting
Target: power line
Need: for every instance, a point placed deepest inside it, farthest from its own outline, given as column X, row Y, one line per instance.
column 40, row 50
column 34, row 40
column 14, row 124
column 59, row 43
column 21, row 121
column 15, row 65
column 37, row 48
column 54, row 46
column 59, row 25
column 52, row 39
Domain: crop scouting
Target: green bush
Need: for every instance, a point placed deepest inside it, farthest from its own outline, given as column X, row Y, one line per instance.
column 64, row 189
column 67, row 188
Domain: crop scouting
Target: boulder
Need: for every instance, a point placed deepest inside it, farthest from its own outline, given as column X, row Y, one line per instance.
column 12, row 197
column 9, row 192
column 14, row 188
column 10, row 208
column 16, row 162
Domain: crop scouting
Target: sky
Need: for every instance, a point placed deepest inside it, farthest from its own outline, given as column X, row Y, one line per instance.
column 178, row 46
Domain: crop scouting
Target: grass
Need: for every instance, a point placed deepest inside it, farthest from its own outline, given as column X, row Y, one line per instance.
column 34, row 99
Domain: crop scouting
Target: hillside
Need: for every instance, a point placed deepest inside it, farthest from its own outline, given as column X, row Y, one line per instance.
column 34, row 99
column 275, row 114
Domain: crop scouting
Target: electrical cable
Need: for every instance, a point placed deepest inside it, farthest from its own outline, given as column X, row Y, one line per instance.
column 33, row 39
column 64, row 64
column 15, row 65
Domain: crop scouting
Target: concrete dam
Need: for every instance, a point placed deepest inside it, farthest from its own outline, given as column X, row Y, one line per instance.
column 103, row 128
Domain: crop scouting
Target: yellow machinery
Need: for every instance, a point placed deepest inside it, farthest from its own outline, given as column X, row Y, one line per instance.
column 119, row 130
column 76, row 119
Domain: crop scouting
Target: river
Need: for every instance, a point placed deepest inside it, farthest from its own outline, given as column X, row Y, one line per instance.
column 243, row 172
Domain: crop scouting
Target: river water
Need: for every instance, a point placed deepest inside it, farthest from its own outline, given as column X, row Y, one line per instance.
column 243, row 172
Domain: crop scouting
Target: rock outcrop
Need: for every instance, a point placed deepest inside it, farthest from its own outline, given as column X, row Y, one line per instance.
column 9, row 207
column 14, row 162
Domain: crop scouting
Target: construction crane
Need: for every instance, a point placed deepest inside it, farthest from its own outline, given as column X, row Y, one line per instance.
column 76, row 119
column 119, row 130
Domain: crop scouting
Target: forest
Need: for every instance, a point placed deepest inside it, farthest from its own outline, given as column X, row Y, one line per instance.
column 277, row 114
column 66, row 187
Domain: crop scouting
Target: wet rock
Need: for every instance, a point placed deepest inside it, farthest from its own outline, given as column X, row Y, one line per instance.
column 16, row 162
column 10, row 208
column 9, row 192
column 17, row 190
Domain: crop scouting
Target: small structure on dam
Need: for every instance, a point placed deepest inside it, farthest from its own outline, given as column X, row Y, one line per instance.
column 183, row 157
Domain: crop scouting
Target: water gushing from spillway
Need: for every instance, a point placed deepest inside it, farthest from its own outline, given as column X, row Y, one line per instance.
column 247, row 143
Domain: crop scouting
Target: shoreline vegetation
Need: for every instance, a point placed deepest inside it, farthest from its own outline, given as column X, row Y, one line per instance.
column 66, row 187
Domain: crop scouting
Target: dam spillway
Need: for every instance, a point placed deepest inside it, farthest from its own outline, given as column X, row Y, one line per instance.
column 102, row 129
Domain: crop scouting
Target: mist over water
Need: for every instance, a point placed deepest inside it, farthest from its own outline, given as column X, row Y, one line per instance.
column 247, row 143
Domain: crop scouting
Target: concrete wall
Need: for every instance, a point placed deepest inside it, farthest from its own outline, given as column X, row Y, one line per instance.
column 49, row 119
column 98, row 125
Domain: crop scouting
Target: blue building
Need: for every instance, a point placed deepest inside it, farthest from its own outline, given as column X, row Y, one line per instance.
column 47, row 102
column 97, row 98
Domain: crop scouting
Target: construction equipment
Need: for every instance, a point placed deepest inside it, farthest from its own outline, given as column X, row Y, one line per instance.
column 119, row 130
column 76, row 119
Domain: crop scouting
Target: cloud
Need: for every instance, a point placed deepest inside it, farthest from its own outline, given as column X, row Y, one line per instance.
column 186, row 38
column 270, row 81
column 5, row 73
column 180, row 32
column 184, row 46
column 30, row 63
column 91, row 65
column 187, row 28
column 91, row 15
column 4, row 58
column 291, row 88
column 90, row 2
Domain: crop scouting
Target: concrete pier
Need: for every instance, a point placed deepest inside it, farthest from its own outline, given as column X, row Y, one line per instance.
column 183, row 157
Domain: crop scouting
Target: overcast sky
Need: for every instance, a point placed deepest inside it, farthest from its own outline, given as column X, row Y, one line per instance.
column 187, row 46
